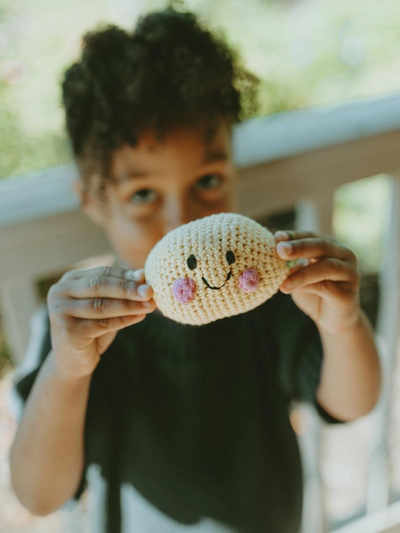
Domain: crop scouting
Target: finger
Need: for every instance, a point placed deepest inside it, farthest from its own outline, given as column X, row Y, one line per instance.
column 110, row 271
column 331, row 291
column 319, row 247
column 91, row 327
column 106, row 287
column 291, row 234
column 138, row 274
column 326, row 269
column 101, row 308
column 299, row 264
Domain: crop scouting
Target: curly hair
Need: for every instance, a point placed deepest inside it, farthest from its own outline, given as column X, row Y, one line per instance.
column 170, row 71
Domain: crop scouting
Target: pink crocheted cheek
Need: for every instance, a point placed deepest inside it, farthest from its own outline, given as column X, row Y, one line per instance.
column 249, row 280
column 184, row 290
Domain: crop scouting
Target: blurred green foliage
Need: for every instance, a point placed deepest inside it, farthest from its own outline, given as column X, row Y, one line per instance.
column 361, row 216
column 306, row 53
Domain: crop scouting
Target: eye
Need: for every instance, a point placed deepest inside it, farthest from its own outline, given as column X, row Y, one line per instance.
column 144, row 196
column 210, row 181
column 192, row 262
column 230, row 257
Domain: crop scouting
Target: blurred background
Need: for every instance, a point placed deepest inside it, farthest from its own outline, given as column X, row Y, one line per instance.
column 308, row 53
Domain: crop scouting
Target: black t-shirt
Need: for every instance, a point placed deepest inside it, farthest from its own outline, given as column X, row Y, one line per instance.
column 187, row 427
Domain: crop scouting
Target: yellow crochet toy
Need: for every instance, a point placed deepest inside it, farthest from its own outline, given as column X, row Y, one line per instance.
column 214, row 267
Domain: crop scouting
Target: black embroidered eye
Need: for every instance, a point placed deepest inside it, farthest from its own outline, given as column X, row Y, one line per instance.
column 230, row 257
column 192, row 262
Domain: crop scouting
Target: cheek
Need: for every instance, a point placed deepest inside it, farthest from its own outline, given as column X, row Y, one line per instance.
column 249, row 280
column 184, row 290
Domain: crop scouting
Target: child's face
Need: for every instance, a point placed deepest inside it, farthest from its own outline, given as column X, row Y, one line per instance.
column 178, row 187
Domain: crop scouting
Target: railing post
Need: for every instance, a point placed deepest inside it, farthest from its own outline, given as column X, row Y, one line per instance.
column 313, row 214
column 388, row 325
column 18, row 300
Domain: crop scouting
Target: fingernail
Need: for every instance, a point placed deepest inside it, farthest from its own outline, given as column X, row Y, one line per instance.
column 143, row 289
column 288, row 284
column 134, row 274
column 287, row 247
column 281, row 234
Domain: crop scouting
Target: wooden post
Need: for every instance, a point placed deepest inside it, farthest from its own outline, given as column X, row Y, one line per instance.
column 19, row 300
column 313, row 214
column 388, row 325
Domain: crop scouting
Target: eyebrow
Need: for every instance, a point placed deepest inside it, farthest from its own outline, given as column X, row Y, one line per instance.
column 212, row 156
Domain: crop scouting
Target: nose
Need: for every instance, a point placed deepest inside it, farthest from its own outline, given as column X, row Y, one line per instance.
column 178, row 213
column 175, row 223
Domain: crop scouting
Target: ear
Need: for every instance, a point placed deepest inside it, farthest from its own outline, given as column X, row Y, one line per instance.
column 89, row 206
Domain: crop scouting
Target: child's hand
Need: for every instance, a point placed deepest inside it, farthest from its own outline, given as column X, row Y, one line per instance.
column 327, row 288
column 86, row 308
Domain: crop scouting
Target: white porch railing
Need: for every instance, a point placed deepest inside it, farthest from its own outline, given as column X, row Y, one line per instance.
column 295, row 159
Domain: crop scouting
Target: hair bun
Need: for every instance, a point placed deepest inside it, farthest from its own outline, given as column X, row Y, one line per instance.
column 106, row 42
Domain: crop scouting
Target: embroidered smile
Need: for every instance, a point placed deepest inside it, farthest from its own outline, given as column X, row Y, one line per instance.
column 217, row 288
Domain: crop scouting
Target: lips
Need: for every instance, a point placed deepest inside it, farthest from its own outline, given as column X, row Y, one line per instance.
column 217, row 288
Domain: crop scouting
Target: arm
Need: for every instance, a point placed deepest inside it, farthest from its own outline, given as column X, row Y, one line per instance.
column 351, row 374
column 327, row 290
column 86, row 308
column 49, row 441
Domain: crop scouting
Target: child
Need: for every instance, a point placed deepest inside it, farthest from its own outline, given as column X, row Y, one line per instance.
column 174, row 427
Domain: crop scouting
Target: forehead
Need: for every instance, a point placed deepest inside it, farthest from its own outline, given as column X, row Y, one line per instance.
column 178, row 146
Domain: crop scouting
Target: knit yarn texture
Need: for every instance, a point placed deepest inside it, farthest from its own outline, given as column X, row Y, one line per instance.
column 214, row 267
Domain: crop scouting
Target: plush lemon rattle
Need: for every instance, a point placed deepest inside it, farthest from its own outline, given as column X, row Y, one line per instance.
column 214, row 267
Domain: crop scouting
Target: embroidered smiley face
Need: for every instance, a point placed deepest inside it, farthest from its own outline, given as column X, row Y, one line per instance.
column 185, row 289
column 214, row 267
